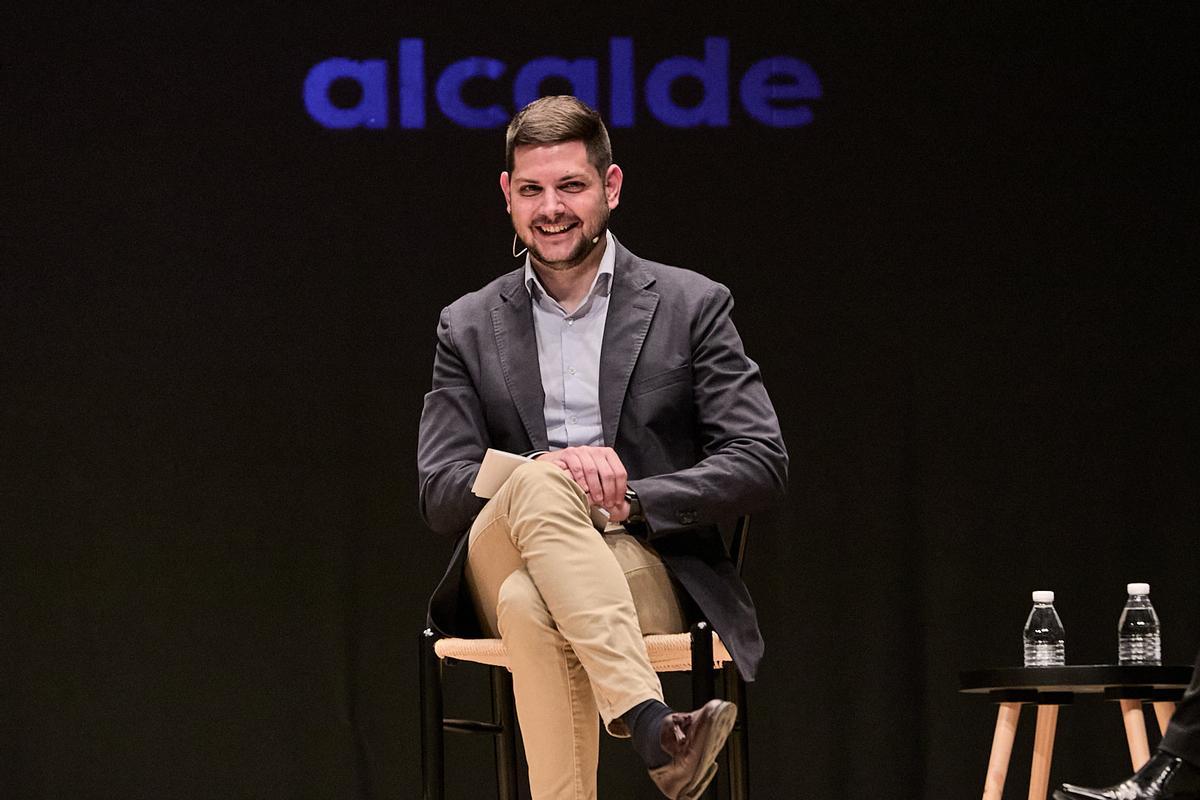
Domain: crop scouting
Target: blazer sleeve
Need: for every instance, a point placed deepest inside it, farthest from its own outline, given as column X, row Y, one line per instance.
column 451, row 440
column 743, row 465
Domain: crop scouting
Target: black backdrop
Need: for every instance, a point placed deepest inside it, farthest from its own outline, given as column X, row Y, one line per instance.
column 969, row 282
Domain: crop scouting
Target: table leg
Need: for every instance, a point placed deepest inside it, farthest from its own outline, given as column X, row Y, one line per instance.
column 1135, row 732
column 1164, row 711
column 1043, row 751
column 1002, row 745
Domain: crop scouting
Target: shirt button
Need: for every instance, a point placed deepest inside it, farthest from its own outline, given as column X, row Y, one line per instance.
column 571, row 370
column 574, row 419
column 570, row 322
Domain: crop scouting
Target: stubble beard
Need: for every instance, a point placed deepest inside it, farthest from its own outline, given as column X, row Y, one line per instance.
column 581, row 251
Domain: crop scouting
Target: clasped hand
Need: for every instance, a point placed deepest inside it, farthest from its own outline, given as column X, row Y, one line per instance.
column 599, row 472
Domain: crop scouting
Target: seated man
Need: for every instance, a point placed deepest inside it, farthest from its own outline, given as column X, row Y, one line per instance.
column 1173, row 772
column 628, row 383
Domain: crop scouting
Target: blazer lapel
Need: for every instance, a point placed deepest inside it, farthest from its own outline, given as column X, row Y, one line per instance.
column 631, row 306
column 516, row 342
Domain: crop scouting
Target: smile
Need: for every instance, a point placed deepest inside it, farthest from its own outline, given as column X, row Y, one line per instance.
column 550, row 230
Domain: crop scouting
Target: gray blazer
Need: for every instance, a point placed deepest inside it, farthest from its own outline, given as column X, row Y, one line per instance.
column 680, row 402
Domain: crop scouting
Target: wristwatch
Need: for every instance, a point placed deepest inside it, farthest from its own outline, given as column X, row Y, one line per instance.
column 635, row 507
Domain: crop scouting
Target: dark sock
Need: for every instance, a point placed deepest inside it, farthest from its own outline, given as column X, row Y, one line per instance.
column 645, row 723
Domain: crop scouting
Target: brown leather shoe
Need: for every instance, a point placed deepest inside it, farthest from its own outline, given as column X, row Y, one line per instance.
column 693, row 741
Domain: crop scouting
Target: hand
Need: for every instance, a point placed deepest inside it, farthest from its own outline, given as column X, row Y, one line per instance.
column 599, row 472
column 620, row 513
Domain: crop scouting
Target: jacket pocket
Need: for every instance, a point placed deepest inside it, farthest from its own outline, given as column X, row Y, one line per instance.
column 662, row 379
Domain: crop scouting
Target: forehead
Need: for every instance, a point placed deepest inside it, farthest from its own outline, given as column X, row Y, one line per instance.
column 549, row 162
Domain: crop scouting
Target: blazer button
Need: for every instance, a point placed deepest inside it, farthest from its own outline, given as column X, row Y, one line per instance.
column 687, row 517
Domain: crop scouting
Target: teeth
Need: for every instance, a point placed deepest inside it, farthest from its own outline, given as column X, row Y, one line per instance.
column 553, row 228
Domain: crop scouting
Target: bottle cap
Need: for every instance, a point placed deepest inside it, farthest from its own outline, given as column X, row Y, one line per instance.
column 1044, row 596
column 1138, row 588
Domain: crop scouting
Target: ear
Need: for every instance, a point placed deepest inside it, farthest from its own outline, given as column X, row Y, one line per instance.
column 504, row 187
column 612, row 185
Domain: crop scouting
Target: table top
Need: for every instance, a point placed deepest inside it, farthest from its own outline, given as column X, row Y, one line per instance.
column 1077, row 679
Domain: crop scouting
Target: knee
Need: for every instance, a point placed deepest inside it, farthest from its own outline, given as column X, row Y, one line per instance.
column 540, row 498
column 520, row 604
column 536, row 473
column 538, row 479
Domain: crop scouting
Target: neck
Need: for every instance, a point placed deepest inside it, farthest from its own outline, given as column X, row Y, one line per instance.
column 569, row 287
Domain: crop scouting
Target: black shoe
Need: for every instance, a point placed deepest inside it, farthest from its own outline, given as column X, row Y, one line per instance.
column 1163, row 777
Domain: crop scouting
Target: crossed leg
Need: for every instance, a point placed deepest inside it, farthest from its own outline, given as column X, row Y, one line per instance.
column 552, row 587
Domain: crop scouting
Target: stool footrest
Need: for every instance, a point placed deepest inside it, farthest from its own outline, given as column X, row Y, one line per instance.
column 472, row 726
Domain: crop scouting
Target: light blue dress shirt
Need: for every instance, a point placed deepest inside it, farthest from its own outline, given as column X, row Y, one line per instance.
column 569, row 356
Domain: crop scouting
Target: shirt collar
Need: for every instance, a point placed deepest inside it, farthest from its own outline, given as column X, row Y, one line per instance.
column 607, row 263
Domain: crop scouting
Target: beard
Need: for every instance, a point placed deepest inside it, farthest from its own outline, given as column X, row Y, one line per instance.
column 588, row 242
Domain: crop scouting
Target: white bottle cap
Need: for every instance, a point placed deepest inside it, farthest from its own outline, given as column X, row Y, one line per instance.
column 1138, row 588
column 1044, row 596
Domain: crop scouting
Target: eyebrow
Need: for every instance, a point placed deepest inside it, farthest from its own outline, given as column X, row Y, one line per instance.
column 568, row 177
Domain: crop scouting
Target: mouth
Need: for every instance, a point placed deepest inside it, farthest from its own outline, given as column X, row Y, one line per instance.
column 555, row 230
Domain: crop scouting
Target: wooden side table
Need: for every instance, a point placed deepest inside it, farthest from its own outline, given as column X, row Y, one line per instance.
column 1050, row 687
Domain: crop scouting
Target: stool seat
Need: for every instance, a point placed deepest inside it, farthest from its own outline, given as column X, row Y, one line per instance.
column 669, row 652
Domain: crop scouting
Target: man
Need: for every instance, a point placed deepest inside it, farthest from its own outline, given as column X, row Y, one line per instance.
column 1173, row 772
column 627, row 382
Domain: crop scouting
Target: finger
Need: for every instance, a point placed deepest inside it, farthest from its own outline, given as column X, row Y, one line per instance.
column 620, row 477
column 575, row 467
column 608, row 479
column 550, row 457
column 620, row 512
column 613, row 476
column 591, row 474
column 555, row 458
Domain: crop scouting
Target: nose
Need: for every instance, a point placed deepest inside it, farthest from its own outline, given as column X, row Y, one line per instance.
column 551, row 205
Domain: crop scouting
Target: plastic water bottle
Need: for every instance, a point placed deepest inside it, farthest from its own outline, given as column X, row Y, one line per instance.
column 1044, row 637
column 1138, row 636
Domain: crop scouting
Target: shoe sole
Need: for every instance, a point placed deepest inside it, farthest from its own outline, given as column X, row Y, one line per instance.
column 697, row 789
column 1068, row 794
column 724, row 718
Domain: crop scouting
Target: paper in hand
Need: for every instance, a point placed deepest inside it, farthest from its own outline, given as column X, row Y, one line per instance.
column 494, row 471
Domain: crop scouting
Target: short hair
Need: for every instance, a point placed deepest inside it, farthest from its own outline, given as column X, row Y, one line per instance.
column 560, row 118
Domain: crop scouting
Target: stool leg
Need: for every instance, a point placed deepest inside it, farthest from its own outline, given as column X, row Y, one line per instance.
column 432, row 733
column 703, row 681
column 503, row 714
column 704, row 684
column 1002, row 745
column 738, row 746
column 1043, row 751
column 1135, row 732
column 1164, row 711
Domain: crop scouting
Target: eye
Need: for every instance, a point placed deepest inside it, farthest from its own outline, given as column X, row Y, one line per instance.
column 573, row 186
column 529, row 190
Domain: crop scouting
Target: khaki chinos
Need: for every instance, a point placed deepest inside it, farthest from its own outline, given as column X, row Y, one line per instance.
column 572, row 606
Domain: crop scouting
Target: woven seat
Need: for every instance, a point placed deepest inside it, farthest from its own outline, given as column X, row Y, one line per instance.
column 669, row 652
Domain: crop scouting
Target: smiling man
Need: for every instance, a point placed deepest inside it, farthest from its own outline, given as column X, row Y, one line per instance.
column 560, row 204
column 626, row 382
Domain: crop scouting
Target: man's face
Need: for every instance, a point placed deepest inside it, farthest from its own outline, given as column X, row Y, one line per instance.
column 559, row 203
